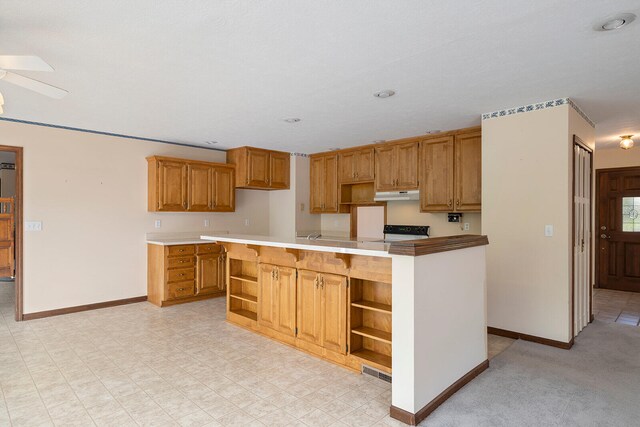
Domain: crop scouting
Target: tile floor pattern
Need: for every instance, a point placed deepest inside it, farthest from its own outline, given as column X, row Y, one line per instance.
column 616, row 306
column 177, row 366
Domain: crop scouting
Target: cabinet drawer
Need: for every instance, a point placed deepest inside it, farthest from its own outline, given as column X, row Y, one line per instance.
column 180, row 275
column 208, row 249
column 181, row 289
column 181, row 262
column 182, row 250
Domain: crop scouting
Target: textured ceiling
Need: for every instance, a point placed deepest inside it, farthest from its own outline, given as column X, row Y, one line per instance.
column 230, row 71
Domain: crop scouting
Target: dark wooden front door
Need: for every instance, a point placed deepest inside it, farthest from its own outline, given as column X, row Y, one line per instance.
column 618, row 229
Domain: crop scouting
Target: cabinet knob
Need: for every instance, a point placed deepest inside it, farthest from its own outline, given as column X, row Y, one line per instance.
column 450, row 202
column 181, row 289
column 458, row 202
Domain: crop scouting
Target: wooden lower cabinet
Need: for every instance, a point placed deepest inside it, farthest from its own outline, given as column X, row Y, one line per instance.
column 277, row 298
column 183, row 273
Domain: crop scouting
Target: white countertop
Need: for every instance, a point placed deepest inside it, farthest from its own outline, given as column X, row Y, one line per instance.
column 352, row 247
column 177, row 241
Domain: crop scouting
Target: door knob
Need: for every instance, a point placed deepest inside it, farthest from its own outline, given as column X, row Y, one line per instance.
column 604, row 236
column 604, row 227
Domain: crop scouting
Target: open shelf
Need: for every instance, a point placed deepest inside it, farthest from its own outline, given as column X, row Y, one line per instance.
column 372, row 333
column 245, row 297
column 244, row 278
column 372, row 305
column 372, row 356
column 245, row 313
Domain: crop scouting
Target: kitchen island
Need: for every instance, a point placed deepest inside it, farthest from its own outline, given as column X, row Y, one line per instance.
column 412, row 309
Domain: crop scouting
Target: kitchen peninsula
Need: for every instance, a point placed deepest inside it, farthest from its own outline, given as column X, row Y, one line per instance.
column 413, row 309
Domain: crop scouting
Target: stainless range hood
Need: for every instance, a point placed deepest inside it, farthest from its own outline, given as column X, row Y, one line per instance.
column 389, row 196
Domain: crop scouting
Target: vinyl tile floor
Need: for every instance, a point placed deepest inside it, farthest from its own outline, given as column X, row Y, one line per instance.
column 616, row 306
column 177, row 366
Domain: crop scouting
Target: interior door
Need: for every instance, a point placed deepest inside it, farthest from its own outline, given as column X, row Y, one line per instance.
column 582, row 235
column 618, row 229
column 286, row 300
column 436, row 186
column 468, row 170
column 200, row 181
column 6, row 237
column 279, row 174
column 309, row 299
column 334, row 312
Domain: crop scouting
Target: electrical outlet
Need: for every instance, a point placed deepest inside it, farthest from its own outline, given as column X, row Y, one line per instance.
column 157, row 223
column 301, row 207
column 33, row 225
column 246, row 222
column 466, row 226
column 206, row 222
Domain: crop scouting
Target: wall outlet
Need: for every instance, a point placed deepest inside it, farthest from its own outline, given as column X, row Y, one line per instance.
column 157, row 223
column 33, row 225
column 206, row 222
column 548, row 230
column 301, row 207
column 466, row 226
column 246, row 222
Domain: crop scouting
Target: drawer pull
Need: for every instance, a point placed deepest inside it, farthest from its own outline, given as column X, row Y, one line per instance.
column 181, row 289
column 181, row 274
column 180, row 250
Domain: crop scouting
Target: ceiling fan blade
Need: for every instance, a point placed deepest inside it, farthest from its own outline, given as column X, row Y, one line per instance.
column 34, row 85
column 23, row 62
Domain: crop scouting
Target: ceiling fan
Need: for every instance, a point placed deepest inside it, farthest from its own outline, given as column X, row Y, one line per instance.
column 27, row 63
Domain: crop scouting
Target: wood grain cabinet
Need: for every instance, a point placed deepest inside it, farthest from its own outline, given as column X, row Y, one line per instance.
column 451, row 168
column 180, row 185
column 322, row 308
column 277, row 298
column 324, row 184
column 356, row 166
column 182, row 273
column 396, row 166
column 260, row 169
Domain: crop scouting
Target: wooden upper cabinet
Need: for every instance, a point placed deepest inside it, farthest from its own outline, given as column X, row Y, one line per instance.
column 468, row 167
column 452, row 173
column 171, row 187
column 356, row 166
column 436, row 188
column 324, row 183
column 396, row 167
column 260, row 169
column 177, row 185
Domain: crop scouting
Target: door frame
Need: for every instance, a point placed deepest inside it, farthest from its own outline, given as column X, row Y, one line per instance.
column 597, row 214
column 18, row 221
column 577, row 141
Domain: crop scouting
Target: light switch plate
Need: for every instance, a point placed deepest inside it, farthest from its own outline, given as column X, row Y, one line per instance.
column 548, row 230
column 157, row 223
column 206, row 222
column 33, row 225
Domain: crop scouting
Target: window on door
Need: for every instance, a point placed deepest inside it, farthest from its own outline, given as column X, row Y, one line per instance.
column 631, row 214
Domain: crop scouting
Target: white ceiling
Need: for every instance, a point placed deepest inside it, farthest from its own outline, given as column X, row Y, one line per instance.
column 230, row 71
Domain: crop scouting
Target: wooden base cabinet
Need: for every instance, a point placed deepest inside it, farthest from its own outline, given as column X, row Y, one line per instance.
column 277, row 298
column 322, row 308
column 184, row 273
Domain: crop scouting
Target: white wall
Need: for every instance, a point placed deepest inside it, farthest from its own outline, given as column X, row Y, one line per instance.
column 526, row 184
column 90, row 192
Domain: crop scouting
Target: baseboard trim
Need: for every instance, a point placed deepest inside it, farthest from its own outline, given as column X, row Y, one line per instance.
column 85, row 307
column 532, row 338
column 415, row 419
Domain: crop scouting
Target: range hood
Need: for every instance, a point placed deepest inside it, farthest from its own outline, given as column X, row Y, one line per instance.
column 389, row 196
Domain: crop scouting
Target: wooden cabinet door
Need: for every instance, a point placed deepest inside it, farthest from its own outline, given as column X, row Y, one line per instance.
column 316, row 198
column 330, row 184
column 363, row 164
column 267, row 298
column 258, row 168
column 346, row 171
column 334, row 312
column 224, row 190
column 309, row 306
column 436, row 157
column 172, row 185
column 279, row 170
column 200, row 178
column 208, row 276
column 385, row 173
column 286, row 300
column 468, row 170
column 406, row 166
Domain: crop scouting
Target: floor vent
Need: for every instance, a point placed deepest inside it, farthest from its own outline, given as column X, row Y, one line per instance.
column 376, row 373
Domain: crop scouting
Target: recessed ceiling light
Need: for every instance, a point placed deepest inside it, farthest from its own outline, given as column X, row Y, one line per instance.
column 615, row 22
column 211, row 142
column 334, row 149
column 379, row 141
column 384, row 93
column 430, row 132
column 292, row 120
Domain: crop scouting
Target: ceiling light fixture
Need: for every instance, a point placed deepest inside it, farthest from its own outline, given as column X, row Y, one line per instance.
column 615, row 22
column 384, row 93
column 379, row 141
column 626, row 142
column 431, row 132
column 211, row 142
column 292, row 120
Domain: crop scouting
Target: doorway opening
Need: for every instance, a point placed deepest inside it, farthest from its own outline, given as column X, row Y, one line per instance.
column 11, row 232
